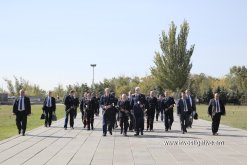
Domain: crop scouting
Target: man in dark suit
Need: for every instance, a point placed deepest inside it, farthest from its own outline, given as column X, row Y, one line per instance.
column 193, row 106
column 107, row 103
column 49, row 107
column 138, row 104
column 76, row 102
column 216, row 108
column 160, row 109
column 184, row 110
column 124, row 110
column 89, row 106
column 69, row 109
column 152, row 107
column 22, row 109
column 168, row 110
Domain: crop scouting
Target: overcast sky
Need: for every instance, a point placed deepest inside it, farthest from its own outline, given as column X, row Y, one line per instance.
column 54, row 41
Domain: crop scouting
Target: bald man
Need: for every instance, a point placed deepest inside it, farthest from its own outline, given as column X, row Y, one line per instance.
column 216, row 108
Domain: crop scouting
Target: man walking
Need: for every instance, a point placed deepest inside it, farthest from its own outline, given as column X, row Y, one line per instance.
column 138, row 104
column 216, row 108
column 49, row 107
column 107, row 102
column 193, row 106
column 184, row 110
column 22, row 109
column 69, row 109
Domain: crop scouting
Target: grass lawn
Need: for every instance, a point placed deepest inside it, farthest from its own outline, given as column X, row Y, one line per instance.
column 236, row 116
column 7, row 120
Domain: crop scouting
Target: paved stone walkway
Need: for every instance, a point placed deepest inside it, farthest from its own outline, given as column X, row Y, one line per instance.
column 56, row 146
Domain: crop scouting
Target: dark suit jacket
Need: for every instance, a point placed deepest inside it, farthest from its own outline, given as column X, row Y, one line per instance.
column 53, row 104
column 212, row 107
column 26, row 103
column 180, row 106
column 169, row 102
column 124, row 105
column 193, row 106
column 69, row 102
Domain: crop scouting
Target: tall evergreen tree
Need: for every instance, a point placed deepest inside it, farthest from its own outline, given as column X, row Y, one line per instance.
column 172, row 65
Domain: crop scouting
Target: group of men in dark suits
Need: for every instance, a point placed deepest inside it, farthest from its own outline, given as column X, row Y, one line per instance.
column 135, row 107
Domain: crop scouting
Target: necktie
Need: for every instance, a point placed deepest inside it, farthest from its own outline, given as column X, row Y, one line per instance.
column 190, row 101
column 49, row 101
column 185, row 106
column 217, row 106
column 21, row 103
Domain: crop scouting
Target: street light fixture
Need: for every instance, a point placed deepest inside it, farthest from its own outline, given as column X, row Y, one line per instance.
column 93, row 65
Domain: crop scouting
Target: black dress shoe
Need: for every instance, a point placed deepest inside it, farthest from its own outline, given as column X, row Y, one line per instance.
column 23, row 133
column 136, row 134
column 141, row 132
column 19, row 131
column 166, row 130
column 110, row 132
column 104, row 134
column 215, row 134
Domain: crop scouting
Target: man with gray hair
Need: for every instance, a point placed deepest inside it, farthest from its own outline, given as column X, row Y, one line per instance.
column 216, row 109
column 22, row 109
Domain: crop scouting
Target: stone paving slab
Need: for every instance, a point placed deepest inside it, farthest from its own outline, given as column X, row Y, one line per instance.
column 55, row 146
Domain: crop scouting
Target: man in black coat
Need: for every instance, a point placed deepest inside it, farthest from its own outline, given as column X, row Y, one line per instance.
column 69, row 109
column 89, row 106
column 193, row 107
column 49, row 107
column 83, row 117
column 160, row 109
column 168, row 110
column 107, row 103
column 22, row 109
column 124, row 110
column 131, row 115
column 152, row 106
column 216, row 108
column 184, row 110
column 138, row 104
column 76, row 102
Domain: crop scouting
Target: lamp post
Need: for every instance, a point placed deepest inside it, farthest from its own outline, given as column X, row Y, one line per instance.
column 93, row 65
